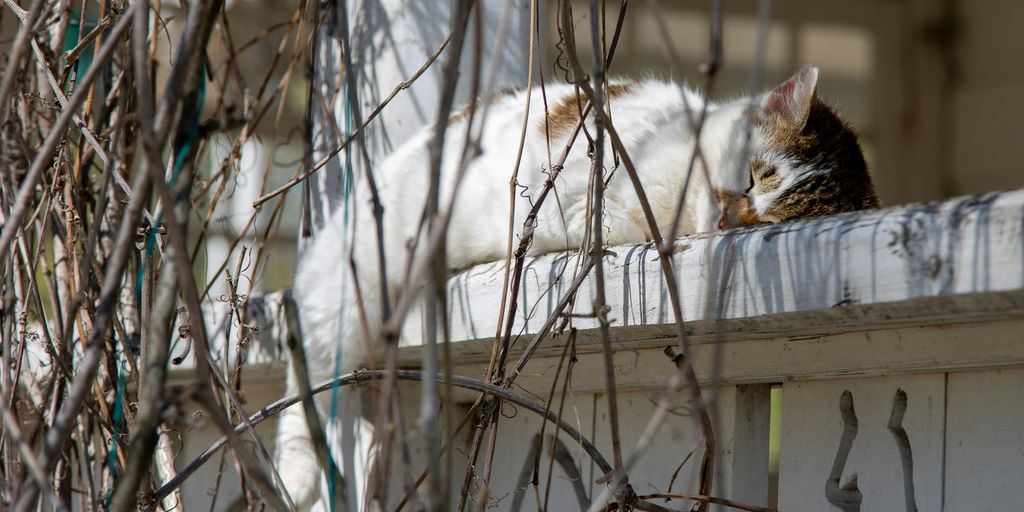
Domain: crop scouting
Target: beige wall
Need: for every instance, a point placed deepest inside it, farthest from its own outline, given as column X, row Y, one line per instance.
column 987, row 103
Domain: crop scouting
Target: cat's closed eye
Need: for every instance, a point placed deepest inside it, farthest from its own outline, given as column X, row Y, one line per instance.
column 763, row 177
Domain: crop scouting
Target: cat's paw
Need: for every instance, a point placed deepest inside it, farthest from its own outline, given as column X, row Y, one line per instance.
column 301, row 479
column 296, row 461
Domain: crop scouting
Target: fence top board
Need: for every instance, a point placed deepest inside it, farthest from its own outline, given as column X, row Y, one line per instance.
column 946, row 262
column 917, row 273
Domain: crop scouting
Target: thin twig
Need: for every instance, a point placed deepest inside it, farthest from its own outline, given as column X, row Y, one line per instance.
column 709, row 499
column 664, row 249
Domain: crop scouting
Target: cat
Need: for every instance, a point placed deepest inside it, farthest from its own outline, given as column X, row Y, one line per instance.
column 804, row 161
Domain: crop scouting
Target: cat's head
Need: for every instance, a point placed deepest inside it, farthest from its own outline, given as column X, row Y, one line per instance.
column 804, row 160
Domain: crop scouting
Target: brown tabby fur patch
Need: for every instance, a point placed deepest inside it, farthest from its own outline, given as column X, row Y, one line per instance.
column 565, row 115
column 845, row 187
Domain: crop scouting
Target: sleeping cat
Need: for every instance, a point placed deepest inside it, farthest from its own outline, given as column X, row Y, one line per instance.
column 804, row 161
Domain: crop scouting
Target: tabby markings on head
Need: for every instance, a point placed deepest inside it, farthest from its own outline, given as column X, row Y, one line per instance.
column 808, row 162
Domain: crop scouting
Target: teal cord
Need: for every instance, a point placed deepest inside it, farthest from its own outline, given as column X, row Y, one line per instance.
column 118, row 418
column 346, row 202
column 71, row 41
column 179, row 163
column 346, row 193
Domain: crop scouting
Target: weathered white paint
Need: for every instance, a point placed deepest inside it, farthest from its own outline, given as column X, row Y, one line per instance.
column 949, row 261
column 984, row 441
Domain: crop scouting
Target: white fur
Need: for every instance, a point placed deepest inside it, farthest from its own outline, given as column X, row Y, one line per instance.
column 651, row 121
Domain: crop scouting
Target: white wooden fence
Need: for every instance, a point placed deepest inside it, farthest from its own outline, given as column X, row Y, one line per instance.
column 924, row 298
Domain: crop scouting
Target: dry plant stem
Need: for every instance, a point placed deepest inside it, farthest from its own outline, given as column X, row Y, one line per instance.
column 600, row 307
column 435, row 254
column 377, row 210
column 499, row 353
column 474, row 452
column 145, row 434
column 405, row 302
column 65, row 419
column 142, row 444
column 72, row 55
column 895, row 426
column 12, row 429
column 186, row 68
column 470, row 150
column 255, row 439
column 197, row 329
column 165, row 466
column 664, row 249
column 492, row 442
column 436, row 257
column 80, row 124
column 56, row 134
column 207, row 400
column 526, row 238
column 570, row 350
column 709, row 499
column 377, row 207
column 513, row 181
column 313, row 423
column 21, row 41
column 299, row 50
column 63, row 422
column 646, row 506
column 374, row 375
column 33, row 294
column 848, row 497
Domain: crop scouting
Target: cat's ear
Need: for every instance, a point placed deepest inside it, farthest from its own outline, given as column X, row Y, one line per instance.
column 791, row 101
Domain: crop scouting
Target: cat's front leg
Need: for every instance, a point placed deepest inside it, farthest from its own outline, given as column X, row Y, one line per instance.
column 296, row 459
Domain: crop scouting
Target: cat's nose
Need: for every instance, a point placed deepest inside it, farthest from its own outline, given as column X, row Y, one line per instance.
column 723, row 222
